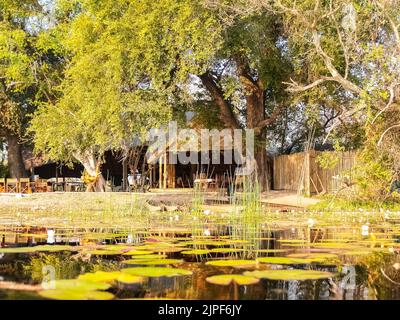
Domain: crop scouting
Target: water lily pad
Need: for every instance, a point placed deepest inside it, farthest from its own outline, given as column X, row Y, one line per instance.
column 80, row 284
column 137, row 252
column 59, row 294
column 315, row 257
column 270, row 250
column 226, row 250
column 232, row 263
column 284, row 260
column 227, row 279
column 100, row 276
column 129, row 279
column 152, row 262
column 196, row 252
column 149, row 256
column 103, row 252
column 292, row 241
column 44, row 248
column 287, row 275
column 157, row 272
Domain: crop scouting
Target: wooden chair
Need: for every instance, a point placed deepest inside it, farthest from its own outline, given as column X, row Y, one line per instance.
column 2, row 185
column 12, row 186
column 25, row 185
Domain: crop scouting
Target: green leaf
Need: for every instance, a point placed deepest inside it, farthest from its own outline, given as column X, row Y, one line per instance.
column 156, row 272
column 232, row 263
column 287, row 275
column 227, row 279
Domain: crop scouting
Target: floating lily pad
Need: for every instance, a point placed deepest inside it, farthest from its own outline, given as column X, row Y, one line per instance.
column 196, row 252
column 270, row 250
column 227, row 279
column 284, row 260
column 226, row 250
column 100, row 276
column 232, row 263
column 207, row 243
column 103, row 252
column 287, row 275
column 292, row 241
column 153, row 262
column 156, row 248
column 137, row 252
column 157, row 272
column 80, row 284
column 129, row 279
column 60, row 294
column 149, row 257
column 44, row 248
column 315, row 257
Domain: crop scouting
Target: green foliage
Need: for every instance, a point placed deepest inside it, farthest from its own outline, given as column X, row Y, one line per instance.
column 126, row 60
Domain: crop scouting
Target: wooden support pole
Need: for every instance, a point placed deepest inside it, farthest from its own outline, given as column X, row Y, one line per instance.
column 307, row 185
column 124, row 175
column 160, row 179
column 165, row 170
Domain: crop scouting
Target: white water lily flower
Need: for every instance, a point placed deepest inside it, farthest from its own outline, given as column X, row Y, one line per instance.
column 207, row 212
column 51, row 236
column 364, row 230
column 207, row 232
column 177, row 218
column 129, row 239
column 310, row 222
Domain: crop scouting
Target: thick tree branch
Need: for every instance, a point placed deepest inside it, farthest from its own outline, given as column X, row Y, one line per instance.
column 348, row 85
column 226, row 114
column 266, row 122
column 293, row 86
column 386, row 131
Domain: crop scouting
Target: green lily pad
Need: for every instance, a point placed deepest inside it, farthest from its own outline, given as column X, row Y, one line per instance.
column 103, row 252
column 315, row 257
column 226, row 250
column 100, row 276
column 287, row 275
column 156, row 272
column 59, row 294
column 137, row 252
column 227, row 279
column 153, row 262
column 129, row 279
column 80, row 284
column 44, row 248
column 270, row 250
column 196, row 252
column 284, row 260
column 232, row 263
column 149, row 257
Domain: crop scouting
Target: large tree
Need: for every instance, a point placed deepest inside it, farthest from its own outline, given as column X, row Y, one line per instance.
column 126, row 60
column 351, row 48
column 16, row 76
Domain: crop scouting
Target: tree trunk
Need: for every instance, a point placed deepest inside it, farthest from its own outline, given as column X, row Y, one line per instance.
column 91, row 165
column 263, row 163
column 16, row 165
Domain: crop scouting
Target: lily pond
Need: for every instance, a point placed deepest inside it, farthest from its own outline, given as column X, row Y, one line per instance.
column 204, row 252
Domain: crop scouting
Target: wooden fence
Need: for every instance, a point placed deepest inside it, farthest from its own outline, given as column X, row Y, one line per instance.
column 301, row 172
